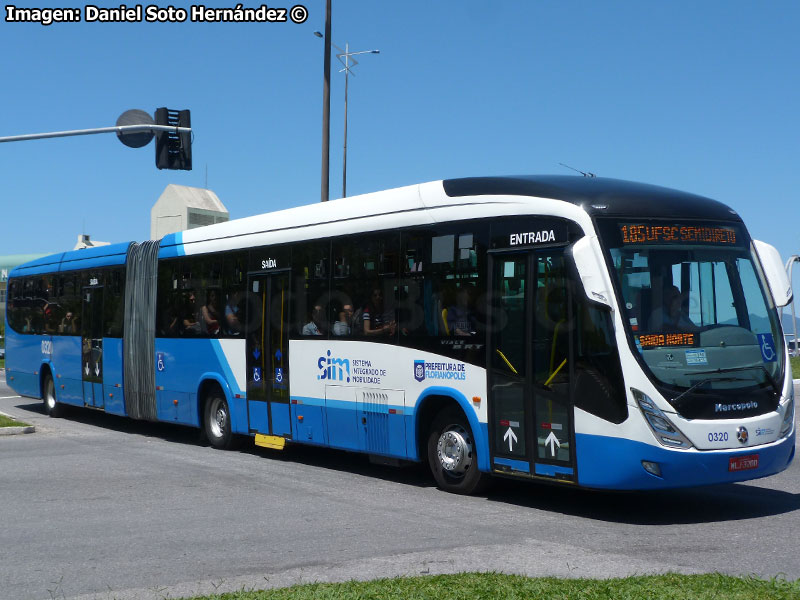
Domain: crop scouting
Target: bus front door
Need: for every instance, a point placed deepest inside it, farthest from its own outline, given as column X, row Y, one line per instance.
column 530, row 414
column 268, row 354
column 92, row 347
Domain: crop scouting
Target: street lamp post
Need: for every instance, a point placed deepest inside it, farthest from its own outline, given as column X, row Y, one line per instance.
column 326, row 104
column 346, row 58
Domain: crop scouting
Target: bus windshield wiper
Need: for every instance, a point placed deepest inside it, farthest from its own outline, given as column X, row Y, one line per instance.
column 702, row 382
column 768, row 376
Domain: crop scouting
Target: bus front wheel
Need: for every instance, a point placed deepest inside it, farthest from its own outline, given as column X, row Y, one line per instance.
column 51, row 406
column 452, row 455
column 218, row 422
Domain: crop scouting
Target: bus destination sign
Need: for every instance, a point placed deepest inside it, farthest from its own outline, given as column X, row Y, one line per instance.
column 638, row 233
column 666, row 339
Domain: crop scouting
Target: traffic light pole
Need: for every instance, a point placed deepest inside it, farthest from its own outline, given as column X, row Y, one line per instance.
column 119, row 130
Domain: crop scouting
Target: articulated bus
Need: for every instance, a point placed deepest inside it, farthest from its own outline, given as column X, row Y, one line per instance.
column 581, row 331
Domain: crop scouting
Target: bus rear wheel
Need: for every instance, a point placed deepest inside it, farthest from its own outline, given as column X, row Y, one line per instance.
column 218, row 422
column 52, row 407
column 452, row 455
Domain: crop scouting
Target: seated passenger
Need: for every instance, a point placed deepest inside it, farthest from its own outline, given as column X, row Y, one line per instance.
column 344, row 323
column 189, row 324
column 376, row 319
column 67, row 326
column 234, row 313
column 210, row 312
column 460, row 318
column 316, row 324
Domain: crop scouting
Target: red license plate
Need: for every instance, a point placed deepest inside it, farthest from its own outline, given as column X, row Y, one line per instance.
column 743, row 463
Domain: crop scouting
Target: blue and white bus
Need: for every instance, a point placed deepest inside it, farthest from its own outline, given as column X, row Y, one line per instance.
column 583, row 331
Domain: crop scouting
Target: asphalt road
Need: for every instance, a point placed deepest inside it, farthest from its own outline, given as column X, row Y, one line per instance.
column 95, row 506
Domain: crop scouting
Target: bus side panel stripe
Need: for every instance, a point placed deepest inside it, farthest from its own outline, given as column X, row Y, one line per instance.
column 231, row 356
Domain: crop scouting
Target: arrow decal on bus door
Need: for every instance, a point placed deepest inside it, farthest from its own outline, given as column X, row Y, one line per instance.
column 510, row 437
column 553, row 441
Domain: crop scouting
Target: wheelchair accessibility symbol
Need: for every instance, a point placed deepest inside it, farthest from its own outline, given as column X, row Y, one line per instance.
column 257, row 374
column 160, row 362
column 767, row 345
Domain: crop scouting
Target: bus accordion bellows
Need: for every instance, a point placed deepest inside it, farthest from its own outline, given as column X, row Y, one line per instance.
column 583, row 331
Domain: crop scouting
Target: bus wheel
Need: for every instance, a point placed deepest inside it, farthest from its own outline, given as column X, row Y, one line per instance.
column 218, row 422
column 452, row 455
column 51, row 406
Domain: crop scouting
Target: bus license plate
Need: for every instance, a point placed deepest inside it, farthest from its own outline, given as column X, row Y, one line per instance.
column 743, row 463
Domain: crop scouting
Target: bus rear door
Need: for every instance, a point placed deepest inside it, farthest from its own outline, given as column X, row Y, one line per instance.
column 268, row 354
column 530, row 411
column 92, row 346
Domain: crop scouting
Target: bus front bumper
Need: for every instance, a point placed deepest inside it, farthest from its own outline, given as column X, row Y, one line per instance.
column 615, row 463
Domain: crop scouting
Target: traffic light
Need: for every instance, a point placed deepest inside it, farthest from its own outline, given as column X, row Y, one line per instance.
column 173, row 149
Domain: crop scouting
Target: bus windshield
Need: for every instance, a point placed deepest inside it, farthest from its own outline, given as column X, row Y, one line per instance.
column 696, row 306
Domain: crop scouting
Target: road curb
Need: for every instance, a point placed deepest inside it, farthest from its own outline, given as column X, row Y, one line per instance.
column 15, row 430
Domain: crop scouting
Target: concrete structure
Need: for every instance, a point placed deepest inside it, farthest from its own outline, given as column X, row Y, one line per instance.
column 180, row 207
column 85, row 241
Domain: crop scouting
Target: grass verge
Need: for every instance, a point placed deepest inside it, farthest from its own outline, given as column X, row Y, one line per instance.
column 9, row 422
column 494, row 586
column 795, row 362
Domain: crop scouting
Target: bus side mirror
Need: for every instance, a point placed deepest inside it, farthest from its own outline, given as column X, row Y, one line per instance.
column 588, row 258
column 775, row 273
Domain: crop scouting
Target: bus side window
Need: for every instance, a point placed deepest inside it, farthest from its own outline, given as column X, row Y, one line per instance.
column 167, row 300
column 310, row 272
column 113, row 303
column 414, row 287
column 599, row 388
column 365, row 273
column 442, row 293
column 13, row 300
column 234, row 282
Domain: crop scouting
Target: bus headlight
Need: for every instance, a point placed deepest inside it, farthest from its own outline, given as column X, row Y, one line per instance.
column 788, row 416
column 666, row 433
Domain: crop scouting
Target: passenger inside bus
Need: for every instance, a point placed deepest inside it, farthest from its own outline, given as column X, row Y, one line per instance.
column 344, row 323
column 460, row 317
column 190, row 326
column 210, row 313
column 316, row 322
column 671, row 316
column 377, row 320
column 233, row 312
column 68, row 324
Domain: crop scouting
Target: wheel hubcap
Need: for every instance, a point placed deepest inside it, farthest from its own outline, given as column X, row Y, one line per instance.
column 455, row 451
column 50, row 396
column 219, row 418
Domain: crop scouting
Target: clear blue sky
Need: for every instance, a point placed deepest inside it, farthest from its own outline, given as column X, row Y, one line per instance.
column 700, row 96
